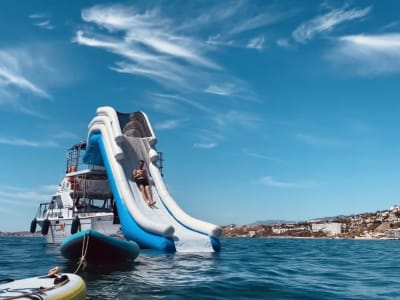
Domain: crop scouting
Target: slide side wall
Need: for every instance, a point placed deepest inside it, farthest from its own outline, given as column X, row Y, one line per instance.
column 131, row 230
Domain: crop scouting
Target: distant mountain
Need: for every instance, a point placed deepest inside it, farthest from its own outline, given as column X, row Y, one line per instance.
column 324, row 219
column 331, row 219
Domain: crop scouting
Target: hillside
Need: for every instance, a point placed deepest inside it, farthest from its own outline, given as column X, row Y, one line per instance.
column 381, row 224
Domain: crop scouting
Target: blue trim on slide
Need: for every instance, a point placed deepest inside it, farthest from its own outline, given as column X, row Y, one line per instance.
column 92, row 154
column 131, row 230
column 216, row 244
column 214, row 241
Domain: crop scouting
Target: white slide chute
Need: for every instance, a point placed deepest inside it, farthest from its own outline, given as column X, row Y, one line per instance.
column 165, row 226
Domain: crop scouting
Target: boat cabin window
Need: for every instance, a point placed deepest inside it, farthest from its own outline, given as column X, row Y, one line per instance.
column 100, row 204
column 57, row 199
column 94, row 205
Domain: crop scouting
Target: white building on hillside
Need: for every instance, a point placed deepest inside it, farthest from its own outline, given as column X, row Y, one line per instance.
column 393, row 233
column 328, row 228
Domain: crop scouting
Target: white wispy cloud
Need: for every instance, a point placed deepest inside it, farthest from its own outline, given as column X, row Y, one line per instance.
column 219, row 40
column 284, row 43
column 174, row 53
column 208, row 139
column 28, row 143
column 327, row 22
column 38, row 16
column 243, row 19
column 234, row 118
column 391, row 26
column 205, row 145
column 368, row 54
column 45, row 24
column 232, row 87
column 8, row 78
column 260, row 20
column 149, row 44
column 13, row 62
column 261, row 156
column 224, row 89
column 272, row 182
column 42, row 21
column 168, row 124
column 318, row 141
column 221, row 12
column 256, row 43
column 172, row 103
column 235, row 17
column 27, row 72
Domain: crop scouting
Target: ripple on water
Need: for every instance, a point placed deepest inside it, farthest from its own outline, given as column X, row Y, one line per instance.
column 244, row 269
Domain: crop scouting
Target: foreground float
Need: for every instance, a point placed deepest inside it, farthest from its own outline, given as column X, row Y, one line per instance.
column 53, row 286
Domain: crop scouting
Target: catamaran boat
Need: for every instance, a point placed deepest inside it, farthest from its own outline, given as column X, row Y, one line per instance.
column 98, row 192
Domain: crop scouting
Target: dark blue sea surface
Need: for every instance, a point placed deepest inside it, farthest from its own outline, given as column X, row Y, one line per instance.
column 244, row 269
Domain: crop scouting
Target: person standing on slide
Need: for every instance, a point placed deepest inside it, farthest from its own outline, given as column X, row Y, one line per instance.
column 142, row 181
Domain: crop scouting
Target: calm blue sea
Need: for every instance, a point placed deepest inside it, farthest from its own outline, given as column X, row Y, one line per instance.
column 244, row 269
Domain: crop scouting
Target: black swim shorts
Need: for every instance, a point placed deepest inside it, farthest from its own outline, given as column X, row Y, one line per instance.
column 142, row 181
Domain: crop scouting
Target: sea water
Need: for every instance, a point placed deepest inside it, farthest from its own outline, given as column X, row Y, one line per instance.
column 258, row 268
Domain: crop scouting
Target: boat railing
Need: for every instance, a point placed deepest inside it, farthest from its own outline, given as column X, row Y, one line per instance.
column 43, row 208
column 75, row 156
column 47, row 210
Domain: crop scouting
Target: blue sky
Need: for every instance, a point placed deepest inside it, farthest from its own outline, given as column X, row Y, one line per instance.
column 263, row 109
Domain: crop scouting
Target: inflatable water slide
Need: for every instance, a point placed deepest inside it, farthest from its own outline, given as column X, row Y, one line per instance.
column 118, row 141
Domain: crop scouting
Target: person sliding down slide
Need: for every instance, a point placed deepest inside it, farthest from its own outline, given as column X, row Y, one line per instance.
column 142, row 180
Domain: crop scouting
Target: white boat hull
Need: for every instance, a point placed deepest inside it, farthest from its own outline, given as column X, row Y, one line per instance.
column 60, row 228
